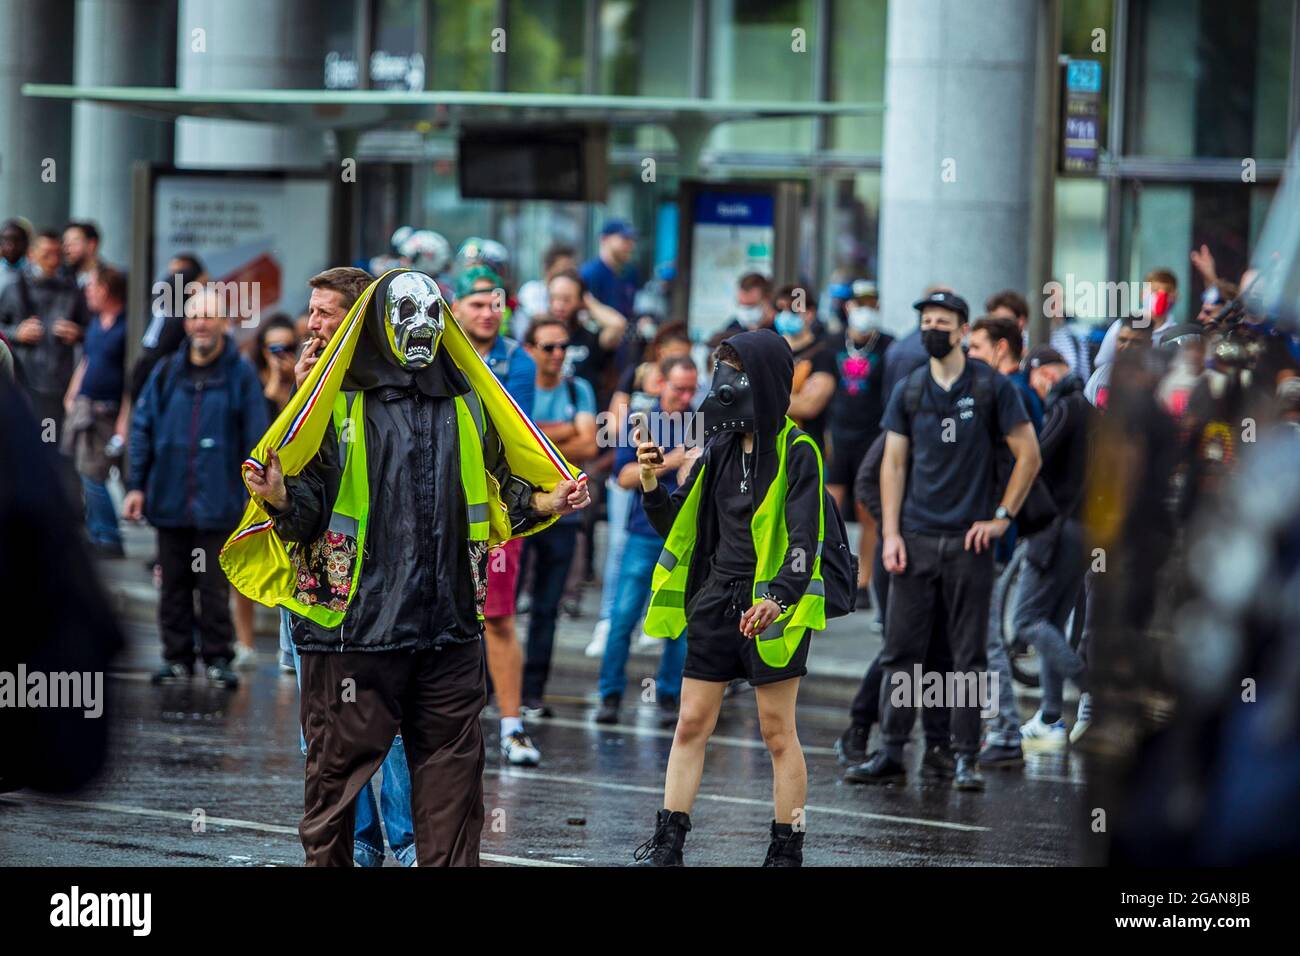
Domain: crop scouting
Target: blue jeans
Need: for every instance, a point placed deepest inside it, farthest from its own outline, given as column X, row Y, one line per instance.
column 101, row 516
column 395, row 801
column 618, row 502
column 394, row 793
column 640, row 553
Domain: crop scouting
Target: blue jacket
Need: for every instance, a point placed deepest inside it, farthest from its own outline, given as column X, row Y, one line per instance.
column 188, row 442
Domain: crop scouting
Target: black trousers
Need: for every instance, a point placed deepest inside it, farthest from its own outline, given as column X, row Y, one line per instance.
column 936, row 722
column 352, row 705
column 944, row 591
column 180, row 552
column 551, row 552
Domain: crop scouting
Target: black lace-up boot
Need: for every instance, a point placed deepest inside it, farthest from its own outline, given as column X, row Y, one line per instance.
column 665, row 847
column 786, row 848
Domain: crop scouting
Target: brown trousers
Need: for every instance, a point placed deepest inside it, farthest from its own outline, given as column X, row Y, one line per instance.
column 353, row 704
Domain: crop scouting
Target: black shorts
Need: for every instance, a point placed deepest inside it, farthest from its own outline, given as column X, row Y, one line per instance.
column 847, row 452
column 716, row 650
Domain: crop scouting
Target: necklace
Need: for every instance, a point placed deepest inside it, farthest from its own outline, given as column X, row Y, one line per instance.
column 744, row 469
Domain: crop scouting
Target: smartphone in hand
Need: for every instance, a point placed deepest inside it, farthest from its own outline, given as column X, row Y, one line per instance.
column 641, row 434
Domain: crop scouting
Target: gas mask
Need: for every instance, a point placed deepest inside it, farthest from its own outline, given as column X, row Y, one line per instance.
column 414, row 319
column 729, row 406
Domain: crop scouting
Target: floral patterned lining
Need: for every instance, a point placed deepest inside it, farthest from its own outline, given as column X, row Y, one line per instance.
column 324, row 571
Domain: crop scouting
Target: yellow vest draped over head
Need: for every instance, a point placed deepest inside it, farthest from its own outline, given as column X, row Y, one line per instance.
column 257, row 561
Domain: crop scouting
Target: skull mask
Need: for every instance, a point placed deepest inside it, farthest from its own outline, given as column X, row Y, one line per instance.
column 413, row 319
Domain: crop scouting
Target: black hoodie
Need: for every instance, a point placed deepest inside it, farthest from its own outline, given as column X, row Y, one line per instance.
column 770, row 364
column 1063, row 443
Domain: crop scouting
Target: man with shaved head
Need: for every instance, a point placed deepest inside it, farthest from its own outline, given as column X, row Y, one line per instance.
column 199, row 414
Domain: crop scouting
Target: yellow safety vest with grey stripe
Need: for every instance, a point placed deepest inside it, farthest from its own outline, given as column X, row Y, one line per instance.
column 778, row 642
column 338, row 554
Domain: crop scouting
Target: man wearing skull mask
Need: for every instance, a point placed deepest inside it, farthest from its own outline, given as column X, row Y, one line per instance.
column 388, row 532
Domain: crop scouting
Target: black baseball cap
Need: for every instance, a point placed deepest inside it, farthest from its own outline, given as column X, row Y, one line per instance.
column 944, row 300
column 1041, row 355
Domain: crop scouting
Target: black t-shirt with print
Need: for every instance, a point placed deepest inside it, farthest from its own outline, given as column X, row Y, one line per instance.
column 860, row 397
column 951, row 480
column 816, row 357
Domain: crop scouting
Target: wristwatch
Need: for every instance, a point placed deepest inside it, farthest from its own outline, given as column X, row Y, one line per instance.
column 1003, row 514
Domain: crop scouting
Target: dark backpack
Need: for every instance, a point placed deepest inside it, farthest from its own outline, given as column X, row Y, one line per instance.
column 839, row 563
column 1038, row 510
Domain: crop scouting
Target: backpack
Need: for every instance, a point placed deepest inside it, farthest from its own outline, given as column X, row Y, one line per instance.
column 839, row 563
column 1038, row 510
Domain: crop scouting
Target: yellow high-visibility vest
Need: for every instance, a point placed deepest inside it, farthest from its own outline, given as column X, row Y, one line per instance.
column 778, row 642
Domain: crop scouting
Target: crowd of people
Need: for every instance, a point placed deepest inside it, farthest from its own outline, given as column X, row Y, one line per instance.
column 962, row 450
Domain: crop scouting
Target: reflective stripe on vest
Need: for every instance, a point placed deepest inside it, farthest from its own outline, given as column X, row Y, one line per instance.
column 777, row 644
column 352, row 505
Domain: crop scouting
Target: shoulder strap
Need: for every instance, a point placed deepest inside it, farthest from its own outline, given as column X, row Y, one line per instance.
column 913, row 390
column 572, row 391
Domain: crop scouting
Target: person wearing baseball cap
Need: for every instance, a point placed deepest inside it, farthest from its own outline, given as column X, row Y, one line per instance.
column 907, row 353
column 478, row 309
column 1053, row 574
column 942, row 511
column 611, row 277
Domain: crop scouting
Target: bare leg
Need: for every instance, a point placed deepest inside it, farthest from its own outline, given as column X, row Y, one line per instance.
column 789, row 773
column 505, row 661
column 700, row 705
column 243, row 620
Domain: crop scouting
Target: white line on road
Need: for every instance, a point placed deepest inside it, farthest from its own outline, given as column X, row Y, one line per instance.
column 720, row 798
column 221, row 822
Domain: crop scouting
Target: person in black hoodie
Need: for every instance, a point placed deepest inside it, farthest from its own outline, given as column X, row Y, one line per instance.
column 1055, row 558
column 743, row 414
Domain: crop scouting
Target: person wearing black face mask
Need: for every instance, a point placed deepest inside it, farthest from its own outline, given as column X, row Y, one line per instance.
column 738, row 575
column 937, row 489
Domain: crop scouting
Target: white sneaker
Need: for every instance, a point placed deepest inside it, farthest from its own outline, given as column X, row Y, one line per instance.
column 647, row 643
column 1082, row 718
column 598, row 637
column 245, row 658
column 1039, row 736
column 518, row 749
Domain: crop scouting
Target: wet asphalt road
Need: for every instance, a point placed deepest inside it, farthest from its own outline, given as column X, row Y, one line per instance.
column 234, row 757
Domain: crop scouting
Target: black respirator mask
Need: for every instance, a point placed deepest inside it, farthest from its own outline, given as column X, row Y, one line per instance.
column 729, row 406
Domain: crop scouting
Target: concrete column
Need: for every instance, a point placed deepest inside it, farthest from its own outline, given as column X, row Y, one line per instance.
column 118, row 43
column 35, row 47
column 959, row 135
column 248, row 45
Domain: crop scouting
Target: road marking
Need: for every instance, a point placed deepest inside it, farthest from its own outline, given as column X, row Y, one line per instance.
column 726, row 741
column 231, row 822
column 744, row 801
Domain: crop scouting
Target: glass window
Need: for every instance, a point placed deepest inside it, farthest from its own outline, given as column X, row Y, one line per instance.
column 546, row 46
column 397, row 56
column 1163, row 221
column 645, row 48
column 1210, row 78
column 858, row 72
column 1079, row 243
column 341, row 69
column 460, row 44
column 762, row 50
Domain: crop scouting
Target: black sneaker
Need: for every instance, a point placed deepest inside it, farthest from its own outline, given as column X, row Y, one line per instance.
column 938, row 763
column 879, row 768
column 607, row 713
column 667, row 718
column 1001, row 756
column 851, row 747
column 103, row 549
column 786, row 847
column 173, row 671
column 664, row 848
column 968, row 776
column 219, row 673
column 865, row 601
column 535, row 709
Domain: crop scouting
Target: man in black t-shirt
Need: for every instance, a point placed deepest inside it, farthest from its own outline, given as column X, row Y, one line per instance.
column 815, row 371
column 941, row 515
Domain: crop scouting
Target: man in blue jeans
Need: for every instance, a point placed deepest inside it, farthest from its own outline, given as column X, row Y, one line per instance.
column 669, row 419
column 564, row 408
